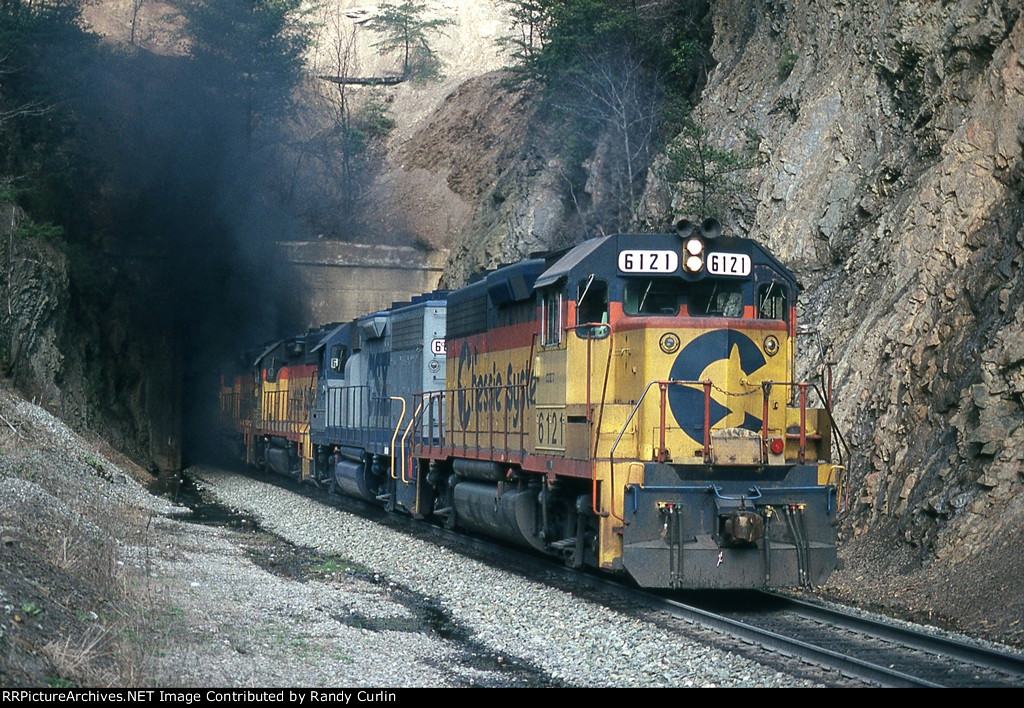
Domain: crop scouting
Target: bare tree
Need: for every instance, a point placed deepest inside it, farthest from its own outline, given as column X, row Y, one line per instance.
column 342, row 131
column 618, row 93
column 136, row 9
column 338, row 99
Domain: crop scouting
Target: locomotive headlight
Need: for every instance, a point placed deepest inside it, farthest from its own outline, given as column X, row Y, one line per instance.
column 771, row 345
column 694, row 254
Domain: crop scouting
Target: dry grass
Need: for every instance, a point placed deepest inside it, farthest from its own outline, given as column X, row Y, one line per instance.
column 82, row 657
column 75, row 560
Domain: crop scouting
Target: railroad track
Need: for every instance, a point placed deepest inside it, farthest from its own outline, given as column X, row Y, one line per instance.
column 879, row 652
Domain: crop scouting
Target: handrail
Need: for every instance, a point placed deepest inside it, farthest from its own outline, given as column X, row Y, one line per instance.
column 663, row 386
column 597, row 438
column 803, row 388
column 426, row 404
column 611, row 453
column 729, row 497
column 841, row 441
column 492, row 394
column 826, row 396
column 405, row 435
column 395, row 435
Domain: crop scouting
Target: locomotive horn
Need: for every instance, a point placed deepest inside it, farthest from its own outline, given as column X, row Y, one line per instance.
column 711, row 228
column 684, row 227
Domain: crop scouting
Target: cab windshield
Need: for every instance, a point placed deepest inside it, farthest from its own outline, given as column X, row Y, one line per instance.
column 717, row 298
column 662, row 296
column 652, row 297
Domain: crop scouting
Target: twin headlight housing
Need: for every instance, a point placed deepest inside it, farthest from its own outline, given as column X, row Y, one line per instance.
column 693, row 239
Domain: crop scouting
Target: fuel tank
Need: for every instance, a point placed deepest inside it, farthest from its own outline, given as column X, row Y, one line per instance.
column 351, row 479
column 509, row 514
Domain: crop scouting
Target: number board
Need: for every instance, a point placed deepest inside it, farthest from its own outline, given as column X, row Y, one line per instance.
column 648, row 261
column 728, row 264
column 551, row 428
column 437, row 347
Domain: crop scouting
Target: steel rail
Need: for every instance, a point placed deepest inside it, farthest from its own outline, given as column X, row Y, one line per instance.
column 980, row 656
column 824, row 658
column 846, row 665
column 820, row 656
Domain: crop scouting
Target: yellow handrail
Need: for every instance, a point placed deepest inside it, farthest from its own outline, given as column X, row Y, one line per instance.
column 408, row 429
column 398, row 427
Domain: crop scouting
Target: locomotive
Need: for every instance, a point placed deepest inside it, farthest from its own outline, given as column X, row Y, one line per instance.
column 629, row 404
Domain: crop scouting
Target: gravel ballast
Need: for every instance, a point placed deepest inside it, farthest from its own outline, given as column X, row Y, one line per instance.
column 571, row 641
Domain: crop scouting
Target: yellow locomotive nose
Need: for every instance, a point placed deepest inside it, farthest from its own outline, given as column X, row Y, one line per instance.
column 731, row 361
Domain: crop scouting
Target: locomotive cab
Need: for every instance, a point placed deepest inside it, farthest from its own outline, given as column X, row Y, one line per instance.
column 285, row 375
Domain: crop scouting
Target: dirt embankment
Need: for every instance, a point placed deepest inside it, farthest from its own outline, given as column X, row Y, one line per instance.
column 104, row 584
column 76, row 537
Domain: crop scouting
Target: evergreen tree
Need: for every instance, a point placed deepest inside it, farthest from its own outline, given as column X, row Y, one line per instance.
column 44, row 53
column 705, row 177
column 406, row 30
column 529, row 30
column 250, row 55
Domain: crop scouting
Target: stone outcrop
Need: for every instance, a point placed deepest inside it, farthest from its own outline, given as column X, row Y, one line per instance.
column 76, row 357
column 893, row 182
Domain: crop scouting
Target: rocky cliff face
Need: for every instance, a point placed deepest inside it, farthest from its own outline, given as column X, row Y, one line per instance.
column 491, row 146
column 892, row 134
column 72, row 354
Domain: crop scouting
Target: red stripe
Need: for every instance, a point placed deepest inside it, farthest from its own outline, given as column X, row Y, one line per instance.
column 303, row 371
column 515, row 336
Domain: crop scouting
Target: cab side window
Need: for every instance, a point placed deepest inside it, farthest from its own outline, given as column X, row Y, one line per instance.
column 772, row 301
column 551, row 318
column 339, row 356
column 591, row 308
